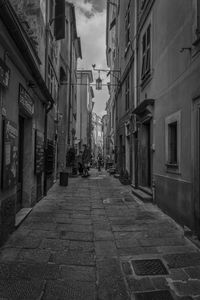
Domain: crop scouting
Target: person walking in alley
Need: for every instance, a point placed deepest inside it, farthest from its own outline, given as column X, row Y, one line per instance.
column 99, row 161
column 85, row 161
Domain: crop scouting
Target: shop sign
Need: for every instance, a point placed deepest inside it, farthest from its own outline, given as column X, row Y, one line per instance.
column 39, row 152
column 10, row 154
column 4, row 74
column 25, row 102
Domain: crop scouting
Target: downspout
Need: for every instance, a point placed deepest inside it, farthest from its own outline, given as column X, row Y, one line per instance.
column 136, row 84
column 48, row 106
column 70, row 83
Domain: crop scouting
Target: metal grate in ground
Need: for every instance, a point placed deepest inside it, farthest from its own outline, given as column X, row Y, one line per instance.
column 149, row 267
column 157, row 295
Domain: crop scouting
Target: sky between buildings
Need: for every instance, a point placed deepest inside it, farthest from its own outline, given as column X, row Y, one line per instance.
column 91, row 27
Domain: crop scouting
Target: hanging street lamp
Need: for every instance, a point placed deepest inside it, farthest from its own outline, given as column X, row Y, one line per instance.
column 99, row 82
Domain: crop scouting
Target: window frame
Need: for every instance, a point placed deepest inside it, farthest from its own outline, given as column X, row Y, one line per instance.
column 173, row 167
column 146, row 53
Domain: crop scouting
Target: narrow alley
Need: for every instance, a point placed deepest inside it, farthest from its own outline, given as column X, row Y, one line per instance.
column 94, row 240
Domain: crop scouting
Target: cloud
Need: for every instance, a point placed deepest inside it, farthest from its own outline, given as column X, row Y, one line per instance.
column 89, row 8
column 98, row 5
column 91, row 27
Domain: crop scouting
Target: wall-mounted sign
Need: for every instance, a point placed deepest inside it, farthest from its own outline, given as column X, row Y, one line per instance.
column 39, row 152
column 25, row 101
column 4, row 74
column 10, row 154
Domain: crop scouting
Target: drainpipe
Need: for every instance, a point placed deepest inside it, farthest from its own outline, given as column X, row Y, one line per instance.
column 136, row 160
column 70, row 83
column 136, row 94
column 48, row 108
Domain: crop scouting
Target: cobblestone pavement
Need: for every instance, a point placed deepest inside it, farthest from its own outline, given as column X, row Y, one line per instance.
column 94, row 240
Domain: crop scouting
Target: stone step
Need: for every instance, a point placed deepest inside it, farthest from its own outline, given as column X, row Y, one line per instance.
column 146, row 190
column 145, row 197
column 21, row 216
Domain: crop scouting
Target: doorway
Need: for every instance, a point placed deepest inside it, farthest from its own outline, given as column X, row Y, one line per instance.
column 20, row 164
column 145, row 156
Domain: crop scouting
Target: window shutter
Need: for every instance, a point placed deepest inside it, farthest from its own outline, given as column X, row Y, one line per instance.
column 59, row 28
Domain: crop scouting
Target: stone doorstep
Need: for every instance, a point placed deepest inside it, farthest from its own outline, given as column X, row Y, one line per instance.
column 145, row 197
column 21, row 216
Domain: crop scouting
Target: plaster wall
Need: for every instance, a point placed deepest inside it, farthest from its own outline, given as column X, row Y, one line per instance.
column 9, row 108
column 174, row 79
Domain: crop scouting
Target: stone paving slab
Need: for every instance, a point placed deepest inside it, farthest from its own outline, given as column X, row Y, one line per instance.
column 81, row 246
column 74, row 257
column 103, row 235
column 34, row 255
column 21, row 289
column 60, row 290
column 23, row 270
column 180, row 260
column 78, row 273
column 105, row 248
column 79, row 241
column 111, row 285
column 77, row 236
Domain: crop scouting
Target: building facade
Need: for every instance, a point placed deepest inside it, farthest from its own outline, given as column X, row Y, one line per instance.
column 37, row 51
column 159, row 49
column 67, row 101
column 24, row 99
column 121, row 60
column 85, row 104
column 105, row 130
column 97, row 135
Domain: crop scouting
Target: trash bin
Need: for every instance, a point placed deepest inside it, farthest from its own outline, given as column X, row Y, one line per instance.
column 64, row 178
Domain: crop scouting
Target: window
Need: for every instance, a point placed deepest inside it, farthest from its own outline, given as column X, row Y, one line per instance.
column 127, row 27
column 146, row 53
column 173, row 142
column 127, row 93
column 52, row 82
